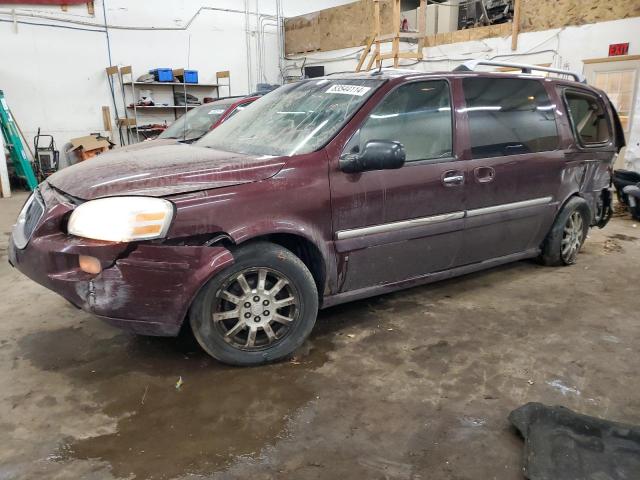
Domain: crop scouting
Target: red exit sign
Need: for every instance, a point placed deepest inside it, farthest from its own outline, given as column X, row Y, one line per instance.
column 616, row 49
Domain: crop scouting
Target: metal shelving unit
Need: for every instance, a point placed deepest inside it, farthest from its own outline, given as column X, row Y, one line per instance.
column 130, row 98
column 163, row 107
column 210, row 85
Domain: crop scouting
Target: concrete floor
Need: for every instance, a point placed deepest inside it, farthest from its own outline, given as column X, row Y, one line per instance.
column 413, row 385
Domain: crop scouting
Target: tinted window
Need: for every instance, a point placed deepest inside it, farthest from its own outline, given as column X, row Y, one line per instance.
column 588, row 118
column 418, row 115
column 509, row 116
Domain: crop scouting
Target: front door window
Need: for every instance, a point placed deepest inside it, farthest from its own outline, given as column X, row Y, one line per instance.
column 418, row 115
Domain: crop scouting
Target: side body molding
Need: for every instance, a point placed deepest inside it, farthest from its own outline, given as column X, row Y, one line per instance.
column 423, row 221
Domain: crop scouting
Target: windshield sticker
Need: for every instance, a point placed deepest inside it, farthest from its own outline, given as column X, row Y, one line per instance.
column 349, row 90
column 216, row 111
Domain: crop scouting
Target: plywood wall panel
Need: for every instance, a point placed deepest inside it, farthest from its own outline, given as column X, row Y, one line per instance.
column 547, row 14
column 335, row 28
column 349, row 25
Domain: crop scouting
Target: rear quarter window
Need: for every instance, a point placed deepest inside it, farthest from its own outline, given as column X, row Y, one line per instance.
column 588, row 118
column 509, row 116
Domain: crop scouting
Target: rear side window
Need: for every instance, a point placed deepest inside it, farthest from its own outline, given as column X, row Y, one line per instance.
column 418, row 115
column 588, row 118
column 509, row 116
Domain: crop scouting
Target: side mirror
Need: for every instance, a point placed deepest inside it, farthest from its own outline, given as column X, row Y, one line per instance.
column 376, row 155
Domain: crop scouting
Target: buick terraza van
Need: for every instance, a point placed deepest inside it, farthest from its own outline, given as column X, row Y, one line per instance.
column 325, row 191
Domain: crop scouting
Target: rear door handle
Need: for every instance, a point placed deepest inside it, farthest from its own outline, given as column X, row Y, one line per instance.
column 484, row 174
column 452, row 178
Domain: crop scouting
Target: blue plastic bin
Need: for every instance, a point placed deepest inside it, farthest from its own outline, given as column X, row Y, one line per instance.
column 190, row 76
column 162, row 74
column 186, row 76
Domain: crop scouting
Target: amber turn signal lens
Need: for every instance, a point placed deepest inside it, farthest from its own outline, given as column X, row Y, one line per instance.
column 147, row 229
column 90, row 264
column 150, row 217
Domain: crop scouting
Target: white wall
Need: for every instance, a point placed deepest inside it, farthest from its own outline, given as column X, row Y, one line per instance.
column 563, row 48
column 293, row 8
column 54, row 77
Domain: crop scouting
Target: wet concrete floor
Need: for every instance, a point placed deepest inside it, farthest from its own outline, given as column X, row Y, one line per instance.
column 412, row 385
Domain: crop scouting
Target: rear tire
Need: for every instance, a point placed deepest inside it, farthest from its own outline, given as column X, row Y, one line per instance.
column 259, row 310
column 567, row 235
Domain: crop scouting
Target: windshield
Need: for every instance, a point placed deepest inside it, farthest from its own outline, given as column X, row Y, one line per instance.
column 195, row 123
column 294, row 119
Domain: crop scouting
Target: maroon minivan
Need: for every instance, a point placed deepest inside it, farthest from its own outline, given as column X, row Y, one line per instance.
column 322, row 192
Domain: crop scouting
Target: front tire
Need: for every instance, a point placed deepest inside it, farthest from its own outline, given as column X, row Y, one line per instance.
column 567, row 235
column 259, row 310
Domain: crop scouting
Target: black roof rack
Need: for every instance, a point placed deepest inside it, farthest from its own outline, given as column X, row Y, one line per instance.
column 471, row 65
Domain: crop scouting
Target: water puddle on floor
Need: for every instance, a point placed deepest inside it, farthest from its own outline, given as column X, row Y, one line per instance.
column 217, row 413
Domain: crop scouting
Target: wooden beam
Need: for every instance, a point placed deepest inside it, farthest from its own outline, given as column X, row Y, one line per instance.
column 376, row 29
column 386, row 38
column 386, row 56
column 106, row 118
column 396, row 30
column 422, row 26
column 619, row 58
column 371, row 60
column 392, row 36
column 367, row 50
column 415, row 55
column 515, row 26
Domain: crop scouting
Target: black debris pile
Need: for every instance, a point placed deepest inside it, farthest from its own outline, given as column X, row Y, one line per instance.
column 562, row 444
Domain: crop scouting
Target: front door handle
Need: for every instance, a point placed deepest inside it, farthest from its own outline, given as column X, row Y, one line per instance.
column 484, row 174
column 452, row 178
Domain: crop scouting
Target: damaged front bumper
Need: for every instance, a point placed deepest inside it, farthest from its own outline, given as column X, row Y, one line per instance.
column 146, row 288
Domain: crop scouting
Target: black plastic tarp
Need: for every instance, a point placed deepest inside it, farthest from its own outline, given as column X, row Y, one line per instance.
column 563, row 445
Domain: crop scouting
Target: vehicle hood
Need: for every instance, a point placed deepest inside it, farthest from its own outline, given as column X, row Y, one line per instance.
column 162, row 170
column 147, row 144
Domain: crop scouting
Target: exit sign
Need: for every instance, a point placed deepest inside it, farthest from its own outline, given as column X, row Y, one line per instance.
column 616, row 49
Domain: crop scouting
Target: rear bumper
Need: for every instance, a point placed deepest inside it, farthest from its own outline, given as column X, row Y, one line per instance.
column 145, row 288
column 604, row 208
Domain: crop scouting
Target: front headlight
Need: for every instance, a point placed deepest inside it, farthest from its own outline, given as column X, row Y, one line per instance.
column 122, row 219
column 20, row 234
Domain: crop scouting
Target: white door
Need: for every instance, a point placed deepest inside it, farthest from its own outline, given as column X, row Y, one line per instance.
column 619, row 78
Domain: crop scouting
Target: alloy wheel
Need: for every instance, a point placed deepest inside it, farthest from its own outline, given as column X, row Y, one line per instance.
column 572, row 237
column 255, row 308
